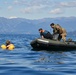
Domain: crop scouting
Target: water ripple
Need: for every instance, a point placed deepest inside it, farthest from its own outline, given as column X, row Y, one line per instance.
column 23, row 60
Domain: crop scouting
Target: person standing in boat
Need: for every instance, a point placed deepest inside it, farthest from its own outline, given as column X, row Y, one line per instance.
column 45, row 34
column 58, row 32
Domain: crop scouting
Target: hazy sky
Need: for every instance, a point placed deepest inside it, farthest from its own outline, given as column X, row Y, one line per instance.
column 37, row 9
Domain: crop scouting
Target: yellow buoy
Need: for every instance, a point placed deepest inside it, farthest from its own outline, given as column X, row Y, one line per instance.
column 3, row 46
column 11, row 47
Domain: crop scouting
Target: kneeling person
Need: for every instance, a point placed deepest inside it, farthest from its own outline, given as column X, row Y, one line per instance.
column 45, row 34
column 57, row 29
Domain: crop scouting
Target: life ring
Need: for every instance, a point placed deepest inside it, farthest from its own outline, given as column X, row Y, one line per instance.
column 3, row 46
column 10, row 47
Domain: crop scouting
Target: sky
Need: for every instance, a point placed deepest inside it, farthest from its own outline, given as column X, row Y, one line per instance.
column 37, row 9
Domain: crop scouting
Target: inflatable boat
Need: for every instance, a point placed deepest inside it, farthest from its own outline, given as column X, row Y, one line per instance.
column 52, row 44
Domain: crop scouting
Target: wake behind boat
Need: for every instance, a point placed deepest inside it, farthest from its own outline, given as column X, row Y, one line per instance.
column 52, row 44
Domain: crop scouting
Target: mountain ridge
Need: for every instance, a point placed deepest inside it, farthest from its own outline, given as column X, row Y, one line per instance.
column 27, row 26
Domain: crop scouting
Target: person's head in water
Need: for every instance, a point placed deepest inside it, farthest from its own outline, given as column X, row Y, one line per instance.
column 52, row 25
column 8, row 42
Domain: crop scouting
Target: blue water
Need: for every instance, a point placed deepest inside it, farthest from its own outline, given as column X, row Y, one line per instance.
column 25, row 61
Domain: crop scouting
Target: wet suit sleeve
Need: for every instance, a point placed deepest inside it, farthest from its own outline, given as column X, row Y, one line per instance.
column 41, row 34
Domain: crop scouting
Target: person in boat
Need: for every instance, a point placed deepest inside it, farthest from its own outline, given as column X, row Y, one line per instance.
column 8, row 44
column 45, row 34
column 58, row 32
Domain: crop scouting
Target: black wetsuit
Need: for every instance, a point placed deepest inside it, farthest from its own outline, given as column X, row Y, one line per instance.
column 46, row 34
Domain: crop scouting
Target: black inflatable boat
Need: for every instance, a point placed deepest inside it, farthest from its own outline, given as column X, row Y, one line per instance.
column 53, row 45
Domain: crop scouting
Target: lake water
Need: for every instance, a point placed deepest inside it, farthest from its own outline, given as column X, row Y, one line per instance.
column 25, row 61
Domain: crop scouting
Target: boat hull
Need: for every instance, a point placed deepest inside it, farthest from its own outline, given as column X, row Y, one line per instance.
column 52, row 44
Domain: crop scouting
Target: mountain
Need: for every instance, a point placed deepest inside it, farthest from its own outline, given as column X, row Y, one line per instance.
column 73, row 33
column 26, row 26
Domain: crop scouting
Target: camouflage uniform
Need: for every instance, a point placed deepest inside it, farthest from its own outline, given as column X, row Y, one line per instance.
column 61, row 31
column 55, row 30
column 63, row 34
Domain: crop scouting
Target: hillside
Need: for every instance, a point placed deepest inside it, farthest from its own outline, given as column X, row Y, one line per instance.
column 26, row 26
